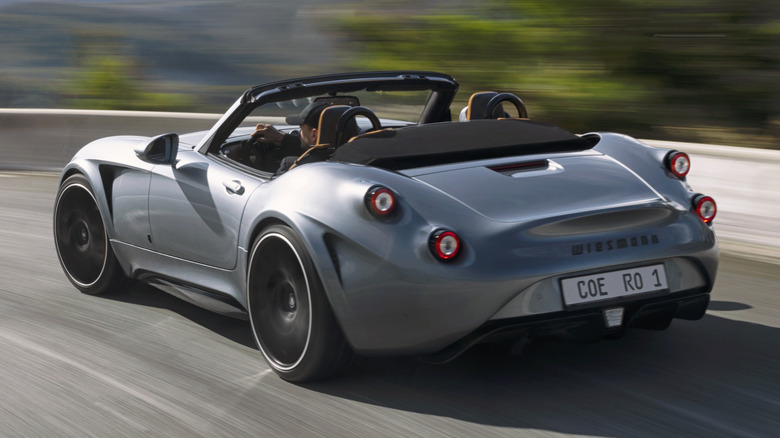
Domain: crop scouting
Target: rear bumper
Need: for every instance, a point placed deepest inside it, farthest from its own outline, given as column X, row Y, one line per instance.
column 586, row 325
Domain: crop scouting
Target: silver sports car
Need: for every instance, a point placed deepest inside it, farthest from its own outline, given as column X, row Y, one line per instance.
column 385, row 227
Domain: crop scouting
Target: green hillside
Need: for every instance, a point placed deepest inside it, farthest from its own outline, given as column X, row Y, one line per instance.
column 207, row 49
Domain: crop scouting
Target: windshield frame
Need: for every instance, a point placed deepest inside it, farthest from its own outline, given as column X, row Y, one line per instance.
column 437, row 109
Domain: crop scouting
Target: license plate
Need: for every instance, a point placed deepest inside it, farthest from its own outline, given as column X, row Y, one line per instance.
column 614, row 284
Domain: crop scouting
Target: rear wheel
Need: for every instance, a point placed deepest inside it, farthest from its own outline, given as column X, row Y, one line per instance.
column 81, row 239
column 291, row 318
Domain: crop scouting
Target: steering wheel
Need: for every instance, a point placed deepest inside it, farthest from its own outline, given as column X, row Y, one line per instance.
column 250, row 152
column 253, row 144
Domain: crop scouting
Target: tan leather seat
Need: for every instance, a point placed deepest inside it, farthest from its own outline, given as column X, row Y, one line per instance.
column 337, row 125
column 328, row 133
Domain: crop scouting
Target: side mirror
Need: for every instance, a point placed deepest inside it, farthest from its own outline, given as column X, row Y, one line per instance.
column 160, row 150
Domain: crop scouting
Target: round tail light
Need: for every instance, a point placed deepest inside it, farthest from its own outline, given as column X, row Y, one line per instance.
column 444, row 244
column 705, row 207
column 678, row 163
column 380, row 201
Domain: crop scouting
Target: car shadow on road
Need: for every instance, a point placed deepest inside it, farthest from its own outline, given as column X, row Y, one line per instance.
column 728, row 306
column 236, row 330
column 714, row 377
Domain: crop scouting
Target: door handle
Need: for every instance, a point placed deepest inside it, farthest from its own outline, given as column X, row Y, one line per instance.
column 233, row 186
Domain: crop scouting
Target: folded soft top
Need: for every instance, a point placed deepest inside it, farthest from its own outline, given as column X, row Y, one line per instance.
column 451, row 142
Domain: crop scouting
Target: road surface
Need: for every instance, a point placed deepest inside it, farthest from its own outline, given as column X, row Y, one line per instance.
column 143, row 363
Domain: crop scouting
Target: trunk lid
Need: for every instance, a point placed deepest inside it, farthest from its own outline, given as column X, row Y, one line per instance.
column 534, row 188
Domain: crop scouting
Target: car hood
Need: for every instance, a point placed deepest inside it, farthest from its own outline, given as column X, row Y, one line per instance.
column 534, row 188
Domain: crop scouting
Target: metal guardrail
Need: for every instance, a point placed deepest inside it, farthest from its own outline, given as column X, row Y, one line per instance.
column 46, row 139
column 746, row 185
column 745, row 182
column 722, row 151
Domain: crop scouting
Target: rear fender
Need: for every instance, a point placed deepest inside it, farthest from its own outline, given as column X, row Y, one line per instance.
column 648, row 163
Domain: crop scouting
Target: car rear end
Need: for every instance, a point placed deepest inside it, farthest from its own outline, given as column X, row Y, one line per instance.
column 604, row 247
column 551, row 237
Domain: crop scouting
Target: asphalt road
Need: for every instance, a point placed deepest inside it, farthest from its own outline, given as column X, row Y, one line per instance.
column 143, row 363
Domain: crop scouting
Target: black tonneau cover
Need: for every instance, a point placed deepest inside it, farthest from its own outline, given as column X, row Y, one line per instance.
column 452, row 142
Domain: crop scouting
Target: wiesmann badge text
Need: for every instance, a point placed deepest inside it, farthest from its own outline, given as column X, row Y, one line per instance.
column 615, row 244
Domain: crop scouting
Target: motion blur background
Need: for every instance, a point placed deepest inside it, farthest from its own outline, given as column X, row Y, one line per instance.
column 147, row 364
column 701, row 70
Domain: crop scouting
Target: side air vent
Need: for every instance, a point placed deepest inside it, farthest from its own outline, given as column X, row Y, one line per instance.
column 107, row 177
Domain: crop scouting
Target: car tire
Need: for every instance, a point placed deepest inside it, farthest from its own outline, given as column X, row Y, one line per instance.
column 81, row 240
column 290, row 315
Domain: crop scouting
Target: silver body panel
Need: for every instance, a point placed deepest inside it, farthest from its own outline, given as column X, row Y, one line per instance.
column 182, row 228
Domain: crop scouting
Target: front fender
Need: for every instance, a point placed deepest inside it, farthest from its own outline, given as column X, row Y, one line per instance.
column 103, row 162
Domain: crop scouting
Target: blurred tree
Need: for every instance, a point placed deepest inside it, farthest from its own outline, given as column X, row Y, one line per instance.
column 106, row 78
column 688, row 70
column 104, row 83
column 629, row 65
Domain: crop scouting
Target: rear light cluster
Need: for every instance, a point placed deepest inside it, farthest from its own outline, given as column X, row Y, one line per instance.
column 705, row 207
column 444, row 244
column 381, row 202
column 678, row 163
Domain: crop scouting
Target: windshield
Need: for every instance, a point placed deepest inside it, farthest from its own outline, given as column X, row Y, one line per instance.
column 395, row 108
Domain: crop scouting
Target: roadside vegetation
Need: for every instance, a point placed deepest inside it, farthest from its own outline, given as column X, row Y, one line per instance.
column 702, row 70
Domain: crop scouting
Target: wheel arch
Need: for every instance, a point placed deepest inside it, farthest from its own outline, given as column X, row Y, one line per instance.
column 110, row 273
column 324, row 215
column 314, row 245
column 68, row 172
column 258, row 229
column 269, row 221
column 326, row 350
column 99, row 178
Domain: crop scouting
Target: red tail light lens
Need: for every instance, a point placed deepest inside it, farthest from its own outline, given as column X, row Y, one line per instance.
column 445, row 245
column 678, row 163
column 705, row 207
column 380, row 201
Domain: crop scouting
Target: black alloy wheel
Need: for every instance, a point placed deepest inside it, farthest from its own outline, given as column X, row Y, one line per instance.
column 81, row 239
column 291, row 318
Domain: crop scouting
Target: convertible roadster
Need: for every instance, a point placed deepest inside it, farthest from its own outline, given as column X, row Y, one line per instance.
column 397, row 230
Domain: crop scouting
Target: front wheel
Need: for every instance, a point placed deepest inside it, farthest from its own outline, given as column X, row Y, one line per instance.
column 291, row 318
column 81, row 239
